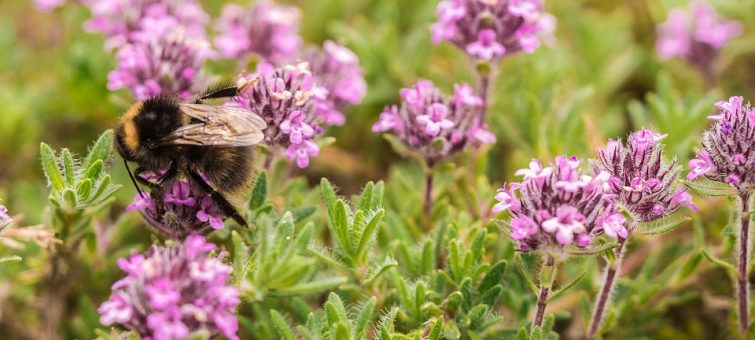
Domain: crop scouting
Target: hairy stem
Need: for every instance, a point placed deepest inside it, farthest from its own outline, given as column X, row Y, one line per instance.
column 484, row 89
column 609, row 281
column 428, row 207
column 547, row 275
column 743, row 242
column 268, row 160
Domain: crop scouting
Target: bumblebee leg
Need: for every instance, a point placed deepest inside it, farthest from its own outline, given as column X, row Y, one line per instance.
column 227, row 207
column 168, row 175
column 142, row 181
column 223, row 92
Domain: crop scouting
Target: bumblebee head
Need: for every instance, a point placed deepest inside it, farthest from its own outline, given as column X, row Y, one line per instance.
column 142, row 127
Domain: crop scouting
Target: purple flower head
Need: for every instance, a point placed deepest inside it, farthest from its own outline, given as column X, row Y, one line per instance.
column 489, row 30
column 184, row 210
column 167, row 64
column 284, row 97
column 558, row 205
column 339, row 78
column 266, row 29
column 171, row 292
column 695, row 34
column 433, row 125
column 5, row 219
column 126, row 22
column 644, row 184
column 728, row 147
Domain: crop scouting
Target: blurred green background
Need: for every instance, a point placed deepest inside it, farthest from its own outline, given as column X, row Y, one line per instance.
column 600, row 79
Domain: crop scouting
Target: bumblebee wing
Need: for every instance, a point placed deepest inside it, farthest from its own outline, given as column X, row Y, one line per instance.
column 218, row 126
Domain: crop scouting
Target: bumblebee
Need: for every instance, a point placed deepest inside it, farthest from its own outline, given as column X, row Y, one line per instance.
column 209, row 145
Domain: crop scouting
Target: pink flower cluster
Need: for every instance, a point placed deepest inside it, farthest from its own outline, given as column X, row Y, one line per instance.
column 172, row 292
column 728, row 153
column 339, row 81
column 161, row 45
column 433, row 125
column 284, row 97
column 489, row 30
column 695, row 34
column 184, row 210
column 169, row 64
column 559, row 205
column 126, row 22
column 268, row 30
column 642, row 182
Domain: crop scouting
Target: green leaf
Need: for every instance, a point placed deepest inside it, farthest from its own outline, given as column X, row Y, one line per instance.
column 50, row 167
column 94, row 170
column 334, row 309
column 365, row 200
column 493, row 276
column 311, row 287
column 281, row 326
column 369, row 232
column 563, row 289
column 68, row 168
column 84, row 189
column 721, row 263
column 590, row 251
column 102, row 189
column 342, row 331
column 537, row 333
column 100, row 150
column 364, row 317
column 662, row 225
column 526, row 274
column 11, row 258
column 491, row 295
column 377, row 270
column 341, row 225
column 706, row 187
column 329, row 196
column 477, row 314
column 437, row 330
column 69, row 197
column 240, row 257
column 259, row 192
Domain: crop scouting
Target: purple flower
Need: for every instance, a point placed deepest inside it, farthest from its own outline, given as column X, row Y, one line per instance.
column 701, row 165
column 557, row 206
column 5, row 219
column 284, row 97
column 339, row 78
column 125, row 22
column 695, row 34
column 489, row 30
column 165, row 65
column 643, row 183
column 173, row 291
column 302, row 152
column 266, row 29
column 506, row 199
column 613, row 226
column 184, row 210
column 535, row 171
column 48, row 5
column 433, row 125
column 486, row 47
column 728, row 147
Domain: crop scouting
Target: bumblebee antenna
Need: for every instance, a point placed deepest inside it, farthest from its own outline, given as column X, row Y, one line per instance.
column 133, row 179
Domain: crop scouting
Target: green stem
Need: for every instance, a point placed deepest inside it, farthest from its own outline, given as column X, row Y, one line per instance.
column 547, row 275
